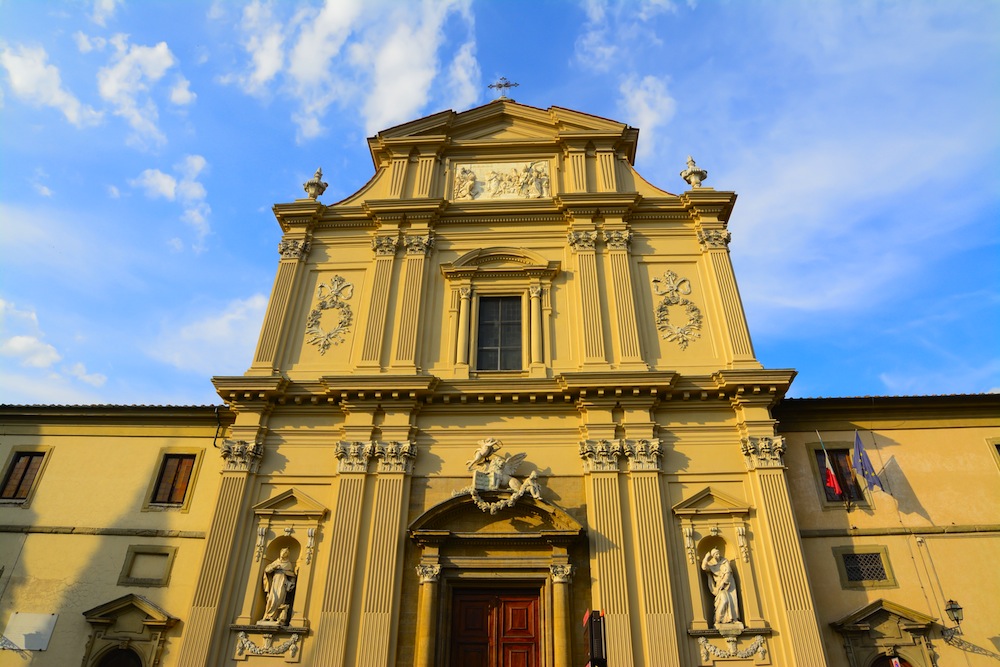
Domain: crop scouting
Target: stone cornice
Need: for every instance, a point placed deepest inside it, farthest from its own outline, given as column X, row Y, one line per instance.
column 299, row 214
column 884, row 412
column 249, row 388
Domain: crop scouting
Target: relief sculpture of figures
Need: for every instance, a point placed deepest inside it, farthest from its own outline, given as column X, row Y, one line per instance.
column 279, row 582
column 493, row 472
column 526, row 180
column 723, row 586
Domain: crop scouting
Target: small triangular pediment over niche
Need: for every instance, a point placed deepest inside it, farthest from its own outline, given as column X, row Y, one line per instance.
column 878, row 613
column 709, row 502
column 131, row 604
column 291, row 503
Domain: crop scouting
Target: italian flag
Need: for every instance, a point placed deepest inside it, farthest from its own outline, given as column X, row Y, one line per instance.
column 829, row 478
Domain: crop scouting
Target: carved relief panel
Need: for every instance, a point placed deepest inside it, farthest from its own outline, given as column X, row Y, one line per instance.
column 485, row 181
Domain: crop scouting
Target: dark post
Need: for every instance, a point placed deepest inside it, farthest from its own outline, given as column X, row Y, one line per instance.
column 593, row 634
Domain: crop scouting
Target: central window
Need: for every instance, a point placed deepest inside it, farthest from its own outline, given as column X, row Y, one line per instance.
column 498, row 346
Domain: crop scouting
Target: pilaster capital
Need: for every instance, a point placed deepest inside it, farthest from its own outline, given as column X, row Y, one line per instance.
column 293, row 249
column 763, row 452
column 581, row 240
column 562, row 573
column 618, row 239
column 428, row 574
column 535, row 291
column 601, row 455
column 354, row 456
column 242, row 456
column 396, row 456
column 465, row 292
column 643, row 455
column 714, row 238
column 418, row 245
column 385, row 244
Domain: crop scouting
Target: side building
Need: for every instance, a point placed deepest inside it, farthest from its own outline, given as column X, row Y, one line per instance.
column 506, row 383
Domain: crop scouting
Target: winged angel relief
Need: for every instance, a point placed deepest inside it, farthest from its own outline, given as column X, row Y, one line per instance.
column 495, row 472
column 332, row 297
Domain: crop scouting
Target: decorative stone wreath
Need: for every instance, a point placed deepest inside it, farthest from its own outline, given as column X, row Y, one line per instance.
column 673, row 290
column 338, row 291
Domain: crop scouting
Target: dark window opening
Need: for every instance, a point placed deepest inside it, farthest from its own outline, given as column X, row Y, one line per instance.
column 172, row 482
column 864, row 567
column 23, row 471
column 499, row 334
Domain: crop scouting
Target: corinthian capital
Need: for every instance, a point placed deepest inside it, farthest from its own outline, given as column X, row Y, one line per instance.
column 643, row 454
column 618, row 239
column 354, row 456
column 561, row 574
column 418, row 245
column 428, row 573
column 714, row 238
column 601, row 456
column 385, row 245
column 242, row 455
column 581, row 240
column 396, row 456
column 763, row 452
column 293, row 249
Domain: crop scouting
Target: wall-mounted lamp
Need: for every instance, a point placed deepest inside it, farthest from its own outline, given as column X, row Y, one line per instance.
column 955, row 613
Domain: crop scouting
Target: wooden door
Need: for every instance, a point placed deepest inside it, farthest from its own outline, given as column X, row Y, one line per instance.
column 494, row 628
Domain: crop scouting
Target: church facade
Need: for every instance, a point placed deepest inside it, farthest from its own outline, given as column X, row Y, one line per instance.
column 505, row 386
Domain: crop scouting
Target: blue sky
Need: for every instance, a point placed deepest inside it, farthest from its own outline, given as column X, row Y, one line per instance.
column 142, row 145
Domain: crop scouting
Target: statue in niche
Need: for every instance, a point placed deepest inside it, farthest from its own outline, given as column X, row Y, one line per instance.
column 722, row 583
column 279, row 584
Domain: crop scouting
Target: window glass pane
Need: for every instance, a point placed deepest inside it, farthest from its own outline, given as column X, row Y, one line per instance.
column 172, row 483
column 488, row 360
column 21, row 476
column 510, row 360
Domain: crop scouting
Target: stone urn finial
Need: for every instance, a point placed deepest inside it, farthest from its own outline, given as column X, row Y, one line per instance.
column 694, row 174
column 315, row 186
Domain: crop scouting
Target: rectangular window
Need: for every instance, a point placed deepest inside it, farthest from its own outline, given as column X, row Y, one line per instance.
column 21, row 475
column 498, row 339
column 843, row 470
column 864, row 567
column 172, row 482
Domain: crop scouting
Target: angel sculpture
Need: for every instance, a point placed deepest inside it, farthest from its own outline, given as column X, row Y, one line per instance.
column 487, row 448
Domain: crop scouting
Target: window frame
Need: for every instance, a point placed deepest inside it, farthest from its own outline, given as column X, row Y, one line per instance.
column 858, row 549
column 8, row 469
column 125, row 578
column 819, row 473
column 150, row 505
column 499, row 292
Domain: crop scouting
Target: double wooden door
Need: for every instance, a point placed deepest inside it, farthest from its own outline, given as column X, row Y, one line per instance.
column 493, row 628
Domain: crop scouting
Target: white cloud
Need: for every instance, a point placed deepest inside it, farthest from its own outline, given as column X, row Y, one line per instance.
column 30, row 351
column 104, row 10
column 382, row 53
column 264, row 41
column 155, row 183
column 79, row 371
column 113, row 192
column 39, row 182
column 464, row 77
column 86, row 44
column 126, row 83
column 181, row 94
column 36, row 82
column 185, row 188
column 612, row 30
column 222, row 342
column 647, row 105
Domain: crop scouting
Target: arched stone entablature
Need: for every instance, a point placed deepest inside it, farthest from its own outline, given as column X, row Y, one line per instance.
column 528, row 545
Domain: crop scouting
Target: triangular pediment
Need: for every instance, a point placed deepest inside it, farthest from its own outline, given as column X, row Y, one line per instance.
column 878, row 612
column 109, row 612
column 292, row 502
column 708, row 502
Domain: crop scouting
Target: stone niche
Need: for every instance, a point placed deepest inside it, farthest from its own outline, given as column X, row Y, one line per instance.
column 286, row 532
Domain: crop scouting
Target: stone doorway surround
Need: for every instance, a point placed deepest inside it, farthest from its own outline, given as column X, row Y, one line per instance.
column 526, row 546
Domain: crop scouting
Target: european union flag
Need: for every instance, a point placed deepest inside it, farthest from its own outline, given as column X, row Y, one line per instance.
column 863, row 464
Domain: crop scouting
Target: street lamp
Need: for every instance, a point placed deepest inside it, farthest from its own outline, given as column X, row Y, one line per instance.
column 955, row 613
